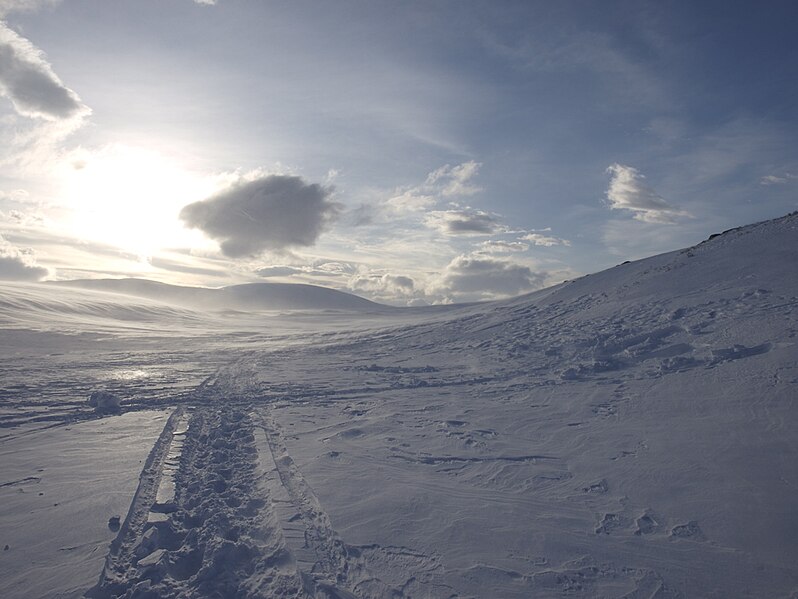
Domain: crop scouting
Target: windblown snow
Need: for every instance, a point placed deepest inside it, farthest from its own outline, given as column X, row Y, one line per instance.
column 628, row 434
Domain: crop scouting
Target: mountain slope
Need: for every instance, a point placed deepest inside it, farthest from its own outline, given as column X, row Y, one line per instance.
column 628, row 434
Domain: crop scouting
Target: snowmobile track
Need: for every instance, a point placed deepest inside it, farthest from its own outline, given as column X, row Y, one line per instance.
column 214, row 533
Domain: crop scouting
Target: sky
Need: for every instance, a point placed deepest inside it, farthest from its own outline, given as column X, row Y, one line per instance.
column 410, row 152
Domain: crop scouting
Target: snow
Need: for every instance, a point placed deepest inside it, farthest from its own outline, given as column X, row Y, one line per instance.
column 628, row 434
column 58, row 490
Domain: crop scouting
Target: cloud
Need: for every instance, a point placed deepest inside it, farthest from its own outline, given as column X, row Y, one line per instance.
column 385, row 283
column 263, row 212
column 278, row 271
column 444, row 182
column 28, row 80
column 174, row 266
column 9, row 6
column 18, row 264
column 18, row 196
column 628, row 191
column 544, row 240
column 386, row 287
column 332, row 269
column 205, row 2
column 455, row 180
column 776, row 180
column 317, row 269
column 23, row 219
column 464, row 221
column 411, row 200
column 482, row 277
column 502, row 247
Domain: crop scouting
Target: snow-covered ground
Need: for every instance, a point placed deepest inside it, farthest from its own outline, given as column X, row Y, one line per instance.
column 628, row 434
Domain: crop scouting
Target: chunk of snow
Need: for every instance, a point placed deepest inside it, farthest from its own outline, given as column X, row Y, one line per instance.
column 104, row 402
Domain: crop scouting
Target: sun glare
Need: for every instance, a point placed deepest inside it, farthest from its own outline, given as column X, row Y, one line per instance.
column 130, row 197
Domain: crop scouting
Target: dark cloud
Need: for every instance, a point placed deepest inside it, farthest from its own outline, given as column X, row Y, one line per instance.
column 278, row 271
column 464, row 221
column 476, row 277
column 27, row 79
column 19, row 265
column 272, row 212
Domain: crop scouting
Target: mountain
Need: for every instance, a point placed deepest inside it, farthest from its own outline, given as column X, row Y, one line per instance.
column 253, row 296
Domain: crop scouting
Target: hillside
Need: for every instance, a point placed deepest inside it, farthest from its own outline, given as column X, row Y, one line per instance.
column 252, row 296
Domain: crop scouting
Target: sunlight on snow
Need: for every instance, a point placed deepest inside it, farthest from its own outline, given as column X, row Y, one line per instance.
column 128, row 374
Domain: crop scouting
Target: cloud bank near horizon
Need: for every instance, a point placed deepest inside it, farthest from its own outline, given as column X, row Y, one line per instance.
column 19, row 264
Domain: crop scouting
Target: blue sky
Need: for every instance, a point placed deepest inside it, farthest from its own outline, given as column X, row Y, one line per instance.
column 411, row 152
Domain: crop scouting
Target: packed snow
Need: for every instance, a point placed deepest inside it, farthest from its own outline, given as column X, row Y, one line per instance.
column 628, row 434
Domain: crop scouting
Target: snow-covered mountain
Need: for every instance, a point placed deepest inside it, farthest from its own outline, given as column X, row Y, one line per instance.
column 252, row 296
column 628, row 434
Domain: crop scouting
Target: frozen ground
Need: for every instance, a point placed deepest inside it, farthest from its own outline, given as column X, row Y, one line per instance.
column 628, row 434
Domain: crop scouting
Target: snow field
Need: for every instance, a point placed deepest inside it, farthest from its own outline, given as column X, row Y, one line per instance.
column 628, row 434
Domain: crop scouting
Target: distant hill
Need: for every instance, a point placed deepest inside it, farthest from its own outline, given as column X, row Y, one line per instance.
column 254, row 296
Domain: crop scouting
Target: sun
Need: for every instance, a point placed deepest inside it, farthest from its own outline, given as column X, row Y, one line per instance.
column 130, row 197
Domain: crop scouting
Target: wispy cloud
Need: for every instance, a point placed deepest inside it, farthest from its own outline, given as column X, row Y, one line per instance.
column 537, row 238
column 263, row 212
column 628, row 191
column 443, row 183
column 455, row 180
column 778, row 179
column 316, row 269
column 498, row 246
column 182, row 267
